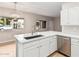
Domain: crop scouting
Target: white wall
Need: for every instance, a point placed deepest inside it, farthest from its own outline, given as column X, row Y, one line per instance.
column 29, row 20
column 71, row 29
column 70, row 5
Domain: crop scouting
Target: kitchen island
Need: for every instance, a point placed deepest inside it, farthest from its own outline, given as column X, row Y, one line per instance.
column 43, row 46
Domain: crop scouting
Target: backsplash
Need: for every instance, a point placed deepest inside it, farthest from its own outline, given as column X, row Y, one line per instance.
column 71, row 29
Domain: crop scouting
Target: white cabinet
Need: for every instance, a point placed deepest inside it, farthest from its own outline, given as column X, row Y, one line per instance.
column 74, row 16
column 74, row 47
column 38, row 48
column 31, row 51
column 74, row 50
column 44, row 48
column 52, row 44
column 70, row 16
column 64, row 17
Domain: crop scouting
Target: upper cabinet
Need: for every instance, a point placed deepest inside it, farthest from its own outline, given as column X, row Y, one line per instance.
column 74, row 16
column 70, row 16
column 64, row 17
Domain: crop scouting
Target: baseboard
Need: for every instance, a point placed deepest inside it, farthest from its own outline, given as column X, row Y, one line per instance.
column 7, row 42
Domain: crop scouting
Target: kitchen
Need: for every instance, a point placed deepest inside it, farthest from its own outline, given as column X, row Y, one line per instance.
column 42, row 31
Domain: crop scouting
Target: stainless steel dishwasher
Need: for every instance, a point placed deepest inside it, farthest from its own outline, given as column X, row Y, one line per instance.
column 64, row 45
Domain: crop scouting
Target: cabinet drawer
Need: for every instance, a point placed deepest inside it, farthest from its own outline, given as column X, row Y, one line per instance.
column 52, row 40
column 54, row 37
column 26, row 45
column 44, row 40
column 75, row 41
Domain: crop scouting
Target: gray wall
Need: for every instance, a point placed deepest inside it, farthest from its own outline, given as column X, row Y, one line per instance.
column 29, row 20
column 57, row 26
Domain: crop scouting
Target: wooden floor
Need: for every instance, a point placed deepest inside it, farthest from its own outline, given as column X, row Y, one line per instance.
column 9, row 50
column 56, row 54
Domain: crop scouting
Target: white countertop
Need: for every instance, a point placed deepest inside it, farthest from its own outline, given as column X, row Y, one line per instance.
column 45, row 34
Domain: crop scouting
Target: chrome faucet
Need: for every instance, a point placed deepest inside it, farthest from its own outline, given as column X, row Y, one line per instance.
column 35, row 29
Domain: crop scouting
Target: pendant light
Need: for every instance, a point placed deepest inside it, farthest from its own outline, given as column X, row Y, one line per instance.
column 14, row 14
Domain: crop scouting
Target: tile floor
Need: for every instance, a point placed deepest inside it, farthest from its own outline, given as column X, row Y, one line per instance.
column 9, row 50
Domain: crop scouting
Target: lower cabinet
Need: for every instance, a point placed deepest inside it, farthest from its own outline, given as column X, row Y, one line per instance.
column 74, row 50
column 39, row 48
column 74, row 47
column 31, row 51
column 53, row 48
column 52, row 44
column 44, row 49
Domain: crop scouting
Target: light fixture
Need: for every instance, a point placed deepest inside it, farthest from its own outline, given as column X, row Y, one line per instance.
column 14, row 14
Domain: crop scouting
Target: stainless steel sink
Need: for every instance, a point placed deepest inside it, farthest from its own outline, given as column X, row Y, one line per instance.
column 31, row 37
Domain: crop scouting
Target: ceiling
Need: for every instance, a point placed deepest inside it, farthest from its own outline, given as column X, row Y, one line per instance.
column 51, row 9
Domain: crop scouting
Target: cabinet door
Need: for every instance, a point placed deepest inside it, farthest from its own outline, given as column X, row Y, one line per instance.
column 31, row 51
column 52, row 45
column 70, row 16
column 44, row 49
column 64, row 17
column 74, row 16
column 75, row 50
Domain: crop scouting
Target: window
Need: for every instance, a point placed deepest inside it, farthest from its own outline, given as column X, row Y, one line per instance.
column 11, row 23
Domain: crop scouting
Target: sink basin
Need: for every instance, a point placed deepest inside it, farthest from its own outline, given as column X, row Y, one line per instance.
column 31, row 37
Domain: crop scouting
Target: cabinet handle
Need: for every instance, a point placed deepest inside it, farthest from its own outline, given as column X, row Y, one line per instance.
column 67, row 38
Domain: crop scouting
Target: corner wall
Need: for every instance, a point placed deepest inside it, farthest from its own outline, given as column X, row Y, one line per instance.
column 57, row 26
